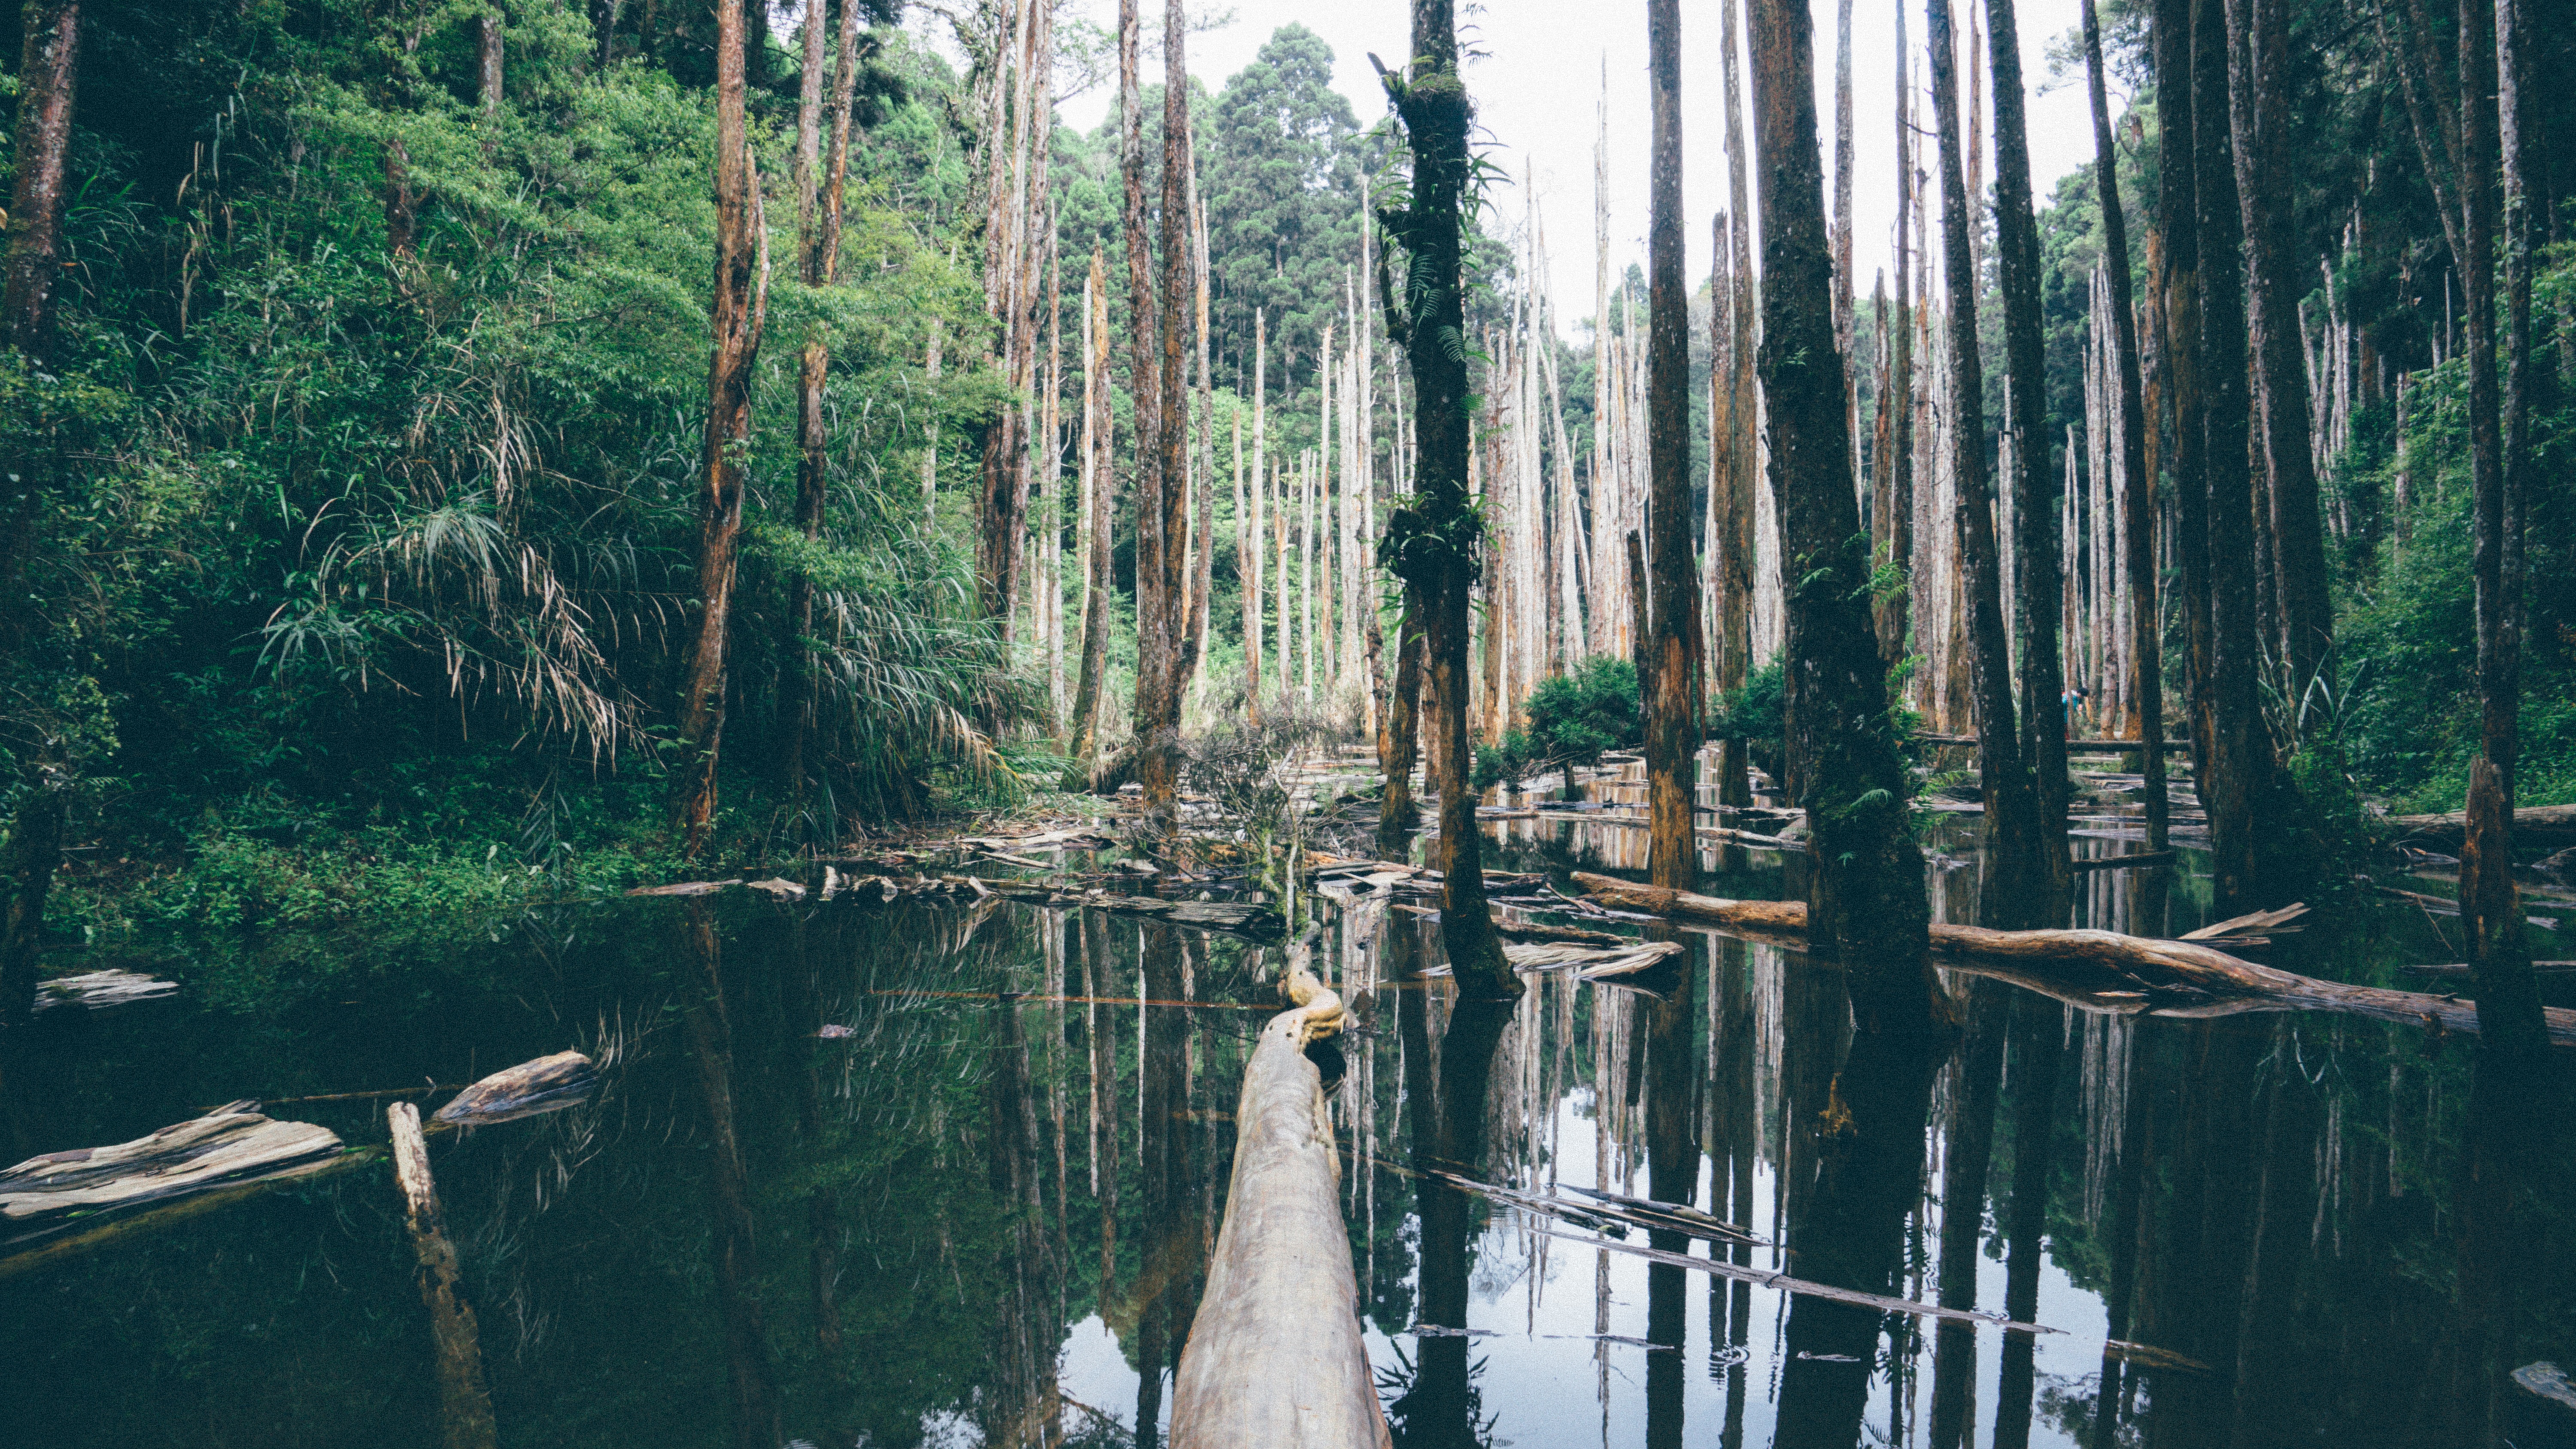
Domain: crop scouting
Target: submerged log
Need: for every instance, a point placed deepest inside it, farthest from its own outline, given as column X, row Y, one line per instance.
column 2098, row 965
column 231, row 1145
column 464, row 1406
column 548, row 1084
column 100, row 989
column 1275, row 1356
column 2532, row 825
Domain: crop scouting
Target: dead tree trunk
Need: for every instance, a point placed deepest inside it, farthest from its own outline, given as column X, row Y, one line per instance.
column 735, row 317
column 1100, row 494
column 2178, row 234
column 2016, row 884
column 487, row 62
column 2043, row 723
column 1162, row 504
column 1251, row 525
column 1735, row 553
column 1434, row 547
column 1867, row 882
column 1675, row 651
column 2258, row 36
column 2495, row 59
column 1895, row 620
column 1154, row 643
column 464, row 1405
column 2239, row 755
column 2137, row 484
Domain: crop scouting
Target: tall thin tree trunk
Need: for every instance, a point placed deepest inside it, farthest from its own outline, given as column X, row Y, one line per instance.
column 1865, row 883
column 2178, row 230
column 1734, row 550
column 2259, row 36
column 2043, row 724
column 1435, row 549
column 487, row 62
column 1895, row 616
column 735, row 316
column 818, row 239
column 2137, row 481
column 2016, row 882
column 2496, row 57
column 1253, row 577
column 1155, row 646
column 2229, row 791
column 1100, row 495
column 1673, row 687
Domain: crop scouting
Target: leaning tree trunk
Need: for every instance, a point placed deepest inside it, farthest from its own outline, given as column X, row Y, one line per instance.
column 735, row 316
column 1866, row 884
column 2258, row 36
column 2500, row 462
column 2043, row 724
column 48, row 77
column 1674, row 652
column 2017, row 884
column 1434, row 546
column 2137, row 488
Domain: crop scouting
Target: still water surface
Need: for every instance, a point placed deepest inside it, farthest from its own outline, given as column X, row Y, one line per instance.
column 983, row 1216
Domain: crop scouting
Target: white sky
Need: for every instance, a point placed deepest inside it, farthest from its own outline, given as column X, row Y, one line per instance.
column 1539, row 84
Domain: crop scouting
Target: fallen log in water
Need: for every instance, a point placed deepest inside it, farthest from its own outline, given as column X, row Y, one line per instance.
column 97, row 990
column 231, row 1145
column 1275, row 1356
column 1767, row 1278
column 2097, row 970
column 548, row 1084
column 2532, row 825
column 2124, row 862
column 465, row 1407
column 224, row 1157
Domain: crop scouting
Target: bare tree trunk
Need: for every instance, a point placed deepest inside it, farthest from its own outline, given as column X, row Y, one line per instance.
column 2178, row 229
column 2229, row 790
column 735, row 317
column 1434, row 548
column 1099, row 503
column 2259, row 34
column 487, row 62
column 2496, row 56
column 2137, row 482
column 818, row 246
column 1201, row 566
column 1734, row 550
column 1399, row 741
column 1162, row 665
column 2043, row 724
column 1895, row 616
column 1154, row 643
column 464, row 1405
column 1675, row 653
column 2017, row 881
column 1865, row 883
column 1256, row 553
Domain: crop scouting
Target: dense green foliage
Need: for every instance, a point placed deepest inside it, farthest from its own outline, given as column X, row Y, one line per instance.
column 1572, row 719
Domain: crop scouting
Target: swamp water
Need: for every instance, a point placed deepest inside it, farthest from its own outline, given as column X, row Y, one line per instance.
column 983, row 1214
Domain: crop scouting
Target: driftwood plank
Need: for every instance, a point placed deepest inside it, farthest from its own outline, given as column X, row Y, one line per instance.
column 100, row 989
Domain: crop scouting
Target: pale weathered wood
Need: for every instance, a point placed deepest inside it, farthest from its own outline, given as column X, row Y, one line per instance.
column 1275, row 1356
column 547, row 1084
column 2532, row 825
column 230, row 1145
column 2219, row 983
column 465, row 1407
column 99, row 989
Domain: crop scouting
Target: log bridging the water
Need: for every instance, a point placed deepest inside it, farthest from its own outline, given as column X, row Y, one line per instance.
column 464, row 1405
column 2100, row 970
column 1275, row 1355
column 2532, row 825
